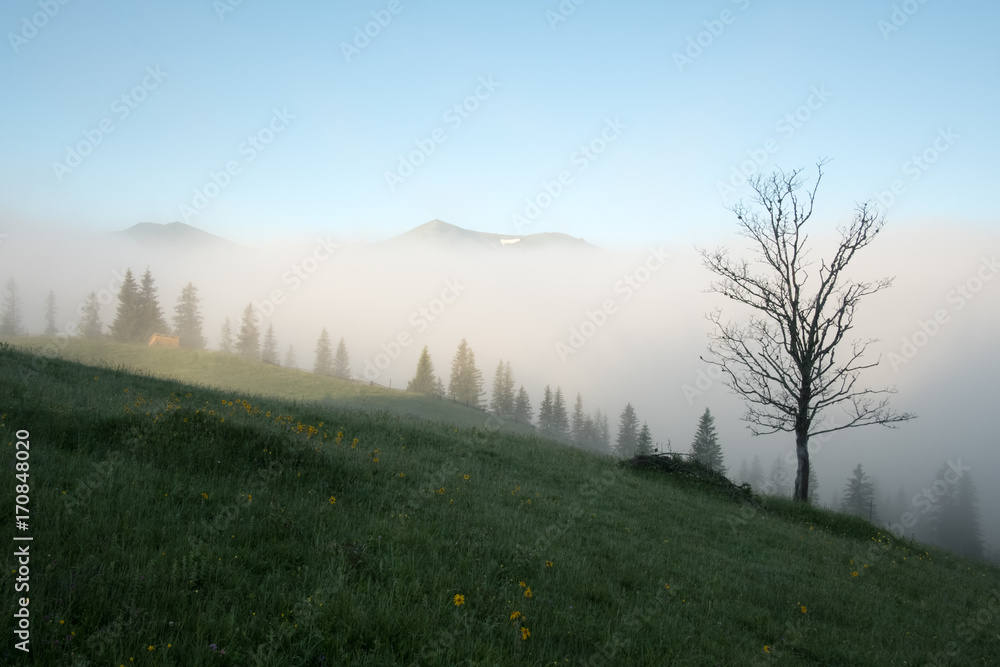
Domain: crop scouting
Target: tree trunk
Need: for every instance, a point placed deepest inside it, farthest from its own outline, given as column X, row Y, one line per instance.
column 802, row 452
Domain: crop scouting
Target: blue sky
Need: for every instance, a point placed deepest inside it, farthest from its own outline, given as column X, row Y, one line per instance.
column 870, row 96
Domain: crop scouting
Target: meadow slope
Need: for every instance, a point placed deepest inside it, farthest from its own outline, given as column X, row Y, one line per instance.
column 180, row 524
column 209, row 368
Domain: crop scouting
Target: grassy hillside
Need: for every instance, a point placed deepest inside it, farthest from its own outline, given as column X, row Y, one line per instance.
column 213, row 369
column 181, row 525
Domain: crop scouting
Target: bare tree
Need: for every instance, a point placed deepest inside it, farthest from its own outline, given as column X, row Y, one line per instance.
column 784, row 362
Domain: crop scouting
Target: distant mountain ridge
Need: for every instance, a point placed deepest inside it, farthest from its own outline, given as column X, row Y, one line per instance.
column 173, row 234
column 440, row 233
column 433, row 234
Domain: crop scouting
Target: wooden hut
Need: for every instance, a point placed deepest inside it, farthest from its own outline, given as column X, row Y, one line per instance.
column 163, row 340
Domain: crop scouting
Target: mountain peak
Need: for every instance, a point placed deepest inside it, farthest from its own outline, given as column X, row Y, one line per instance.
column 172, row 233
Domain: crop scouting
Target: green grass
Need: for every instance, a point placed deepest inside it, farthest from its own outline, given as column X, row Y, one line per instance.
column 163, row 516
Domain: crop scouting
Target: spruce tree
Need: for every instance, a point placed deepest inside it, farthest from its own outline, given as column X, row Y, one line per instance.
column 149, row 316
column 423, row 381
column 545, row 411
column 226, row 338
column 466, row 380
column 756, row 478
column 603, row 431
column 628, row 433
column 91, row 326
column 248, row 338
column 779, row 478
column 127, row 327
column 496, row 400
column 342, row 362
column 743, row 476
column 323, row 365
column 10, row 318
column 269, row 352
column 589, row 436
column 560, row 418
column 458, row 365
column 290, row 360
column 522, row 406
column 188, row 320
column 954, row 521
column 876, row 493
column 644, row 443
column 474, row 382
column 439, row 389
column 858, row 495
column 507, row 404
column 992, row 553
column 705, row 448
column 503, row 398
column 50, row 314
column 578, row 421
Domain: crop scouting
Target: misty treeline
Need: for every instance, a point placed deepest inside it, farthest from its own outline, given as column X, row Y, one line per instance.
column 139, row 316
column 466, row 385
column 945, row 513
column 246, row 342
column 590, row 430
